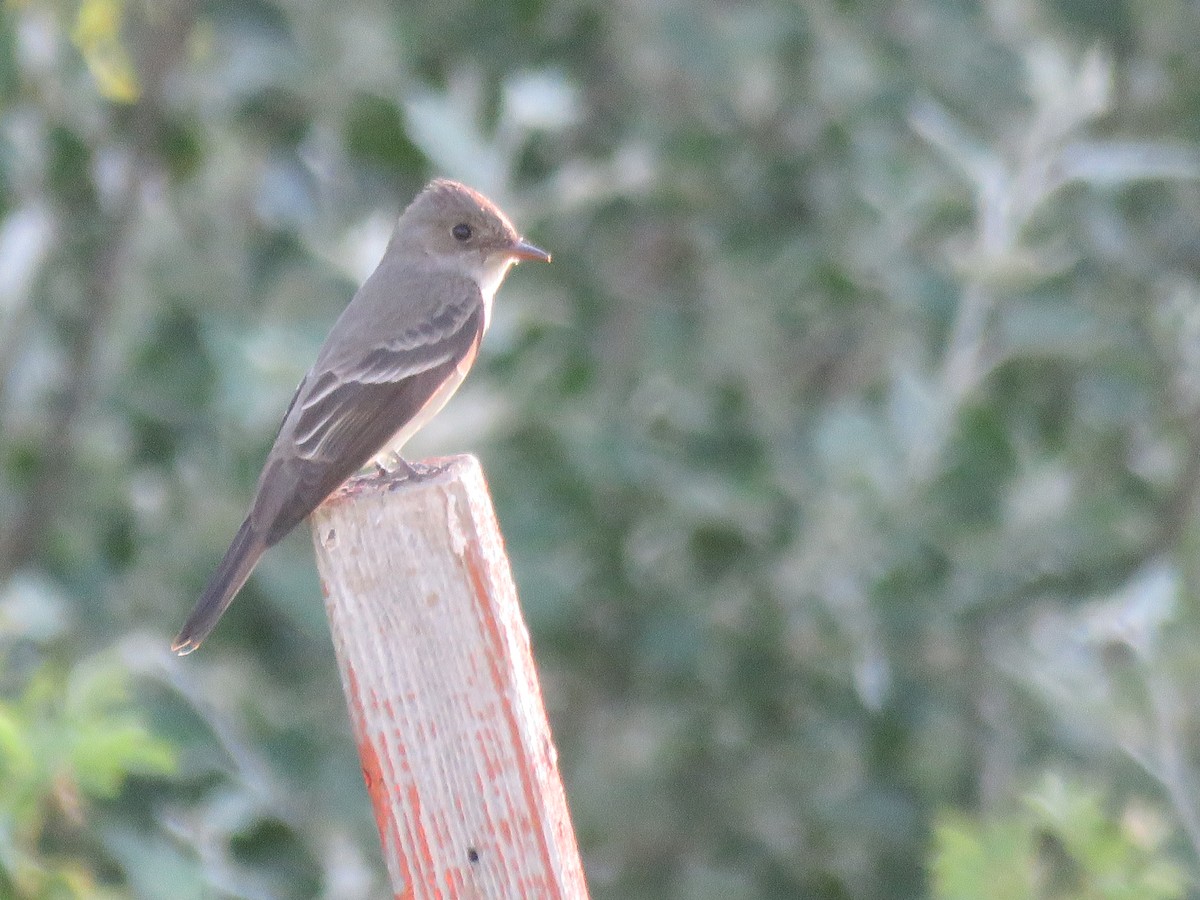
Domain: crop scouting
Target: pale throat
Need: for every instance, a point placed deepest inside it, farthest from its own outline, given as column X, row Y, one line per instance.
column 489, row 276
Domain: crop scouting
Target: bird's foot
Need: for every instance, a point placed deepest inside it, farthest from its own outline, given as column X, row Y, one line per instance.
column 400, row 469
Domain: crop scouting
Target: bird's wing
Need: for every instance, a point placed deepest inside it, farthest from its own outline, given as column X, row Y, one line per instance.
column 347, row 410
column 336, row 404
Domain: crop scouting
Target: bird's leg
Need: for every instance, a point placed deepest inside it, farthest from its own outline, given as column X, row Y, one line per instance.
column 409, row 471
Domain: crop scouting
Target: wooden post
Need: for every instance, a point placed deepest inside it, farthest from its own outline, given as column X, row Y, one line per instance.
column 443, row 695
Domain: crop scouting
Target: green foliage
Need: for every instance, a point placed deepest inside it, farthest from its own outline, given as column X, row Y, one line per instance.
column 847, row 455
column 992, row 861
column 65, row 742
column 1065, row 844
column 97, row 33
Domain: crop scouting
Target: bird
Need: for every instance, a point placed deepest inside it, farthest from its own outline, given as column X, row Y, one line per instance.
column 399, row 350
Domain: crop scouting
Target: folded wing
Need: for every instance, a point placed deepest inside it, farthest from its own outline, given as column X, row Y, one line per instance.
column 347, row 410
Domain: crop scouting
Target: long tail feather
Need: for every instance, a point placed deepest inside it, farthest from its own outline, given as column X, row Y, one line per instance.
column 241, row 557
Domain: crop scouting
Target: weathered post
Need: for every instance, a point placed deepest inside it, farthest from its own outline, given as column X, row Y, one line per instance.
column 443, row 693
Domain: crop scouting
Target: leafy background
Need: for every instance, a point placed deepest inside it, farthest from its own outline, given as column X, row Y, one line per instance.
column 848, row 454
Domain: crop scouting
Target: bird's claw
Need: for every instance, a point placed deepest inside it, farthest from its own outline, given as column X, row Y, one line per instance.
column 403, row 470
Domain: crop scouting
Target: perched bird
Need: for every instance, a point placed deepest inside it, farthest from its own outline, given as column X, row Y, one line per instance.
column 395, row 355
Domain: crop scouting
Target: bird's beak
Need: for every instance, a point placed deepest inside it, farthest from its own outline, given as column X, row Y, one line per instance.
column 522, row 249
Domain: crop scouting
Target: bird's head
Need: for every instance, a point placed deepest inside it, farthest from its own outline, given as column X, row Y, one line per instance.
column 450, row 222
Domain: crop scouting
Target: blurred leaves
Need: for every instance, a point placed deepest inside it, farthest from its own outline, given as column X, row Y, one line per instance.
column 1064, row 844
column 64, row 743
column 847, row 455
column 97, row 34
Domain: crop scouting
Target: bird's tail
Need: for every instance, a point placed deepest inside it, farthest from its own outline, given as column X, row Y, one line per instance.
column 241, row 557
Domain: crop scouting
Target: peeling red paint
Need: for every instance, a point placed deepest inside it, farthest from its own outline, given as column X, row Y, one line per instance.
column 525, row 766
column 420, row 839
column 417, row 826
column 377, row 788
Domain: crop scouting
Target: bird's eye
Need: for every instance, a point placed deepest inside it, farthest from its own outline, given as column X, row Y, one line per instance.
column 461, row 231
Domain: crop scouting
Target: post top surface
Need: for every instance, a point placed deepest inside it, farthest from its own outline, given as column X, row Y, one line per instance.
column 446, row 471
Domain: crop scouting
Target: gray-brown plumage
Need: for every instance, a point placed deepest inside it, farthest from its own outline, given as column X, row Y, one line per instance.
column 393, row 358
